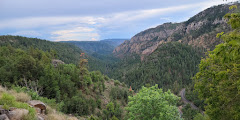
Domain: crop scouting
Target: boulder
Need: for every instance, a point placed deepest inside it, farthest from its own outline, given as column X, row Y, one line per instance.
column 40, row 118
column 3, row 111
column 17, row 114
column 56, row 62
column 4, row 117
column 38, row 104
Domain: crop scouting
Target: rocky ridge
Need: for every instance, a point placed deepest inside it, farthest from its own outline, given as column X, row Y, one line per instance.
column 199, row 31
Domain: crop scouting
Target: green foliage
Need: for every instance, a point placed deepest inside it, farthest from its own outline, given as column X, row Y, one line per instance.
column 63, row 51
column 188, row 112
column 112, row 111
column 5, row 106
column 116, row 83
column 192, row 96
column 119, row 93
column 199, row 116
column 114, row 118
column 217, row 81
column 171, row 66
column 77, row 105
column 7, row 99
column 92, row 118
column 35, row 96
column 91, row 47
column 65, row 87
column 153, row 104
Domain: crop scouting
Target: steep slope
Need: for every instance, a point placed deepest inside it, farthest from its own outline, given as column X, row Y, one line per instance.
column 100, row 56
column 171, row 66
column 73, row 89
column 66, row 52
column 200, row 31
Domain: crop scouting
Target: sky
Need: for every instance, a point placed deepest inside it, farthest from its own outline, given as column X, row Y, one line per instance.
column 93, row 20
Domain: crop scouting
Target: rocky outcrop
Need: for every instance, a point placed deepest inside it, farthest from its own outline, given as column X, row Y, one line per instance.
column 4, row 117
column 38, row 105
column 17, row 114
column 56, row 62
column 199, row 31
column 12, row 113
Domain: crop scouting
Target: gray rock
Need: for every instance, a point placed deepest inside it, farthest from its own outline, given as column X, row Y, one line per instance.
column 17, row 114
column 4, row 117
column 40, row 118
column 56, row 62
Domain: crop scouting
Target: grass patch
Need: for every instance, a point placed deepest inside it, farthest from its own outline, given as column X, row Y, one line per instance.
column 10, row 101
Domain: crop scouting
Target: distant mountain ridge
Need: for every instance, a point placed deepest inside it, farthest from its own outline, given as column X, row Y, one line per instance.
column 200, row 31
column 104, row 47
column 114, row 42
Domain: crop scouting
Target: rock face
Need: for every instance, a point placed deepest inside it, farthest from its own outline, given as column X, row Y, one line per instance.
column 17, row 114
column 199, row 31
column 38, row 104
column 12, row 114
column 4, row 117
column 56, row 62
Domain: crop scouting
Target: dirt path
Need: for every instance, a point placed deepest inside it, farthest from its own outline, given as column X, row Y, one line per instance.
column 185, row 101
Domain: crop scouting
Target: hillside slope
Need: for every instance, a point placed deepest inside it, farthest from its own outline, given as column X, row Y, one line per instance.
column 66, row 52
column 73, row 89
column 200, row 31
column 171, row 66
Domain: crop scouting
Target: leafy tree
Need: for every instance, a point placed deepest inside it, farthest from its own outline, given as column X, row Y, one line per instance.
column 112, row 111
column 153, row 104
column 199, row 116
column 188, row 112
column 171, row 66
column 218, row 79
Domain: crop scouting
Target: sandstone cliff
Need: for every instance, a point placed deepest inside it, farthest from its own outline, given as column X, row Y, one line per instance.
column 200, row 31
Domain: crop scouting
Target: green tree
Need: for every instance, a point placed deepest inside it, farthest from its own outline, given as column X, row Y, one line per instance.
column 153, row 104
column 199, row 116
column 218, row 79
column 188, row 112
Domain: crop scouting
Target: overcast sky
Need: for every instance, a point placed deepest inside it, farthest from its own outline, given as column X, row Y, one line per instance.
column 90, row 20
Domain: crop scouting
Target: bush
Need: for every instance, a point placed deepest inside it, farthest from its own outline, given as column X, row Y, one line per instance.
column 35, row 96
column 7, row 99
column 116, row 83
column 21, row 96
column 78, row 105
column 56, row 117
column 99, row 103
column 118, row 93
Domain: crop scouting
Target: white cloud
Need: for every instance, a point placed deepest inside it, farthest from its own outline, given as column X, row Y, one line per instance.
column 89, row 27
column 29, row 22
column 76, row 34
column 28, row 33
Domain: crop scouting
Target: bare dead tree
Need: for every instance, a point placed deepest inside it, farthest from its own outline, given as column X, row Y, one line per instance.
column 32, row 85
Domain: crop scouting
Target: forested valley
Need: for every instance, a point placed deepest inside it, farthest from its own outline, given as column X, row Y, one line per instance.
column 164, row 78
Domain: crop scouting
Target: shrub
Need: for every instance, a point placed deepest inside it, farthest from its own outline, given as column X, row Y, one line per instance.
column 21, row 97
column 2, row 89
column 56, row 116
column 7, row 99
column 116, row 83
column 99, row 103
column 35, row 96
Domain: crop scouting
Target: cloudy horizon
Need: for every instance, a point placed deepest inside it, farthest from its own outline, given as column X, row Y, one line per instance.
column 93, row 20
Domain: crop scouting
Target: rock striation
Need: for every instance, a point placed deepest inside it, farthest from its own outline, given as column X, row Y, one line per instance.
column 199, row 31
